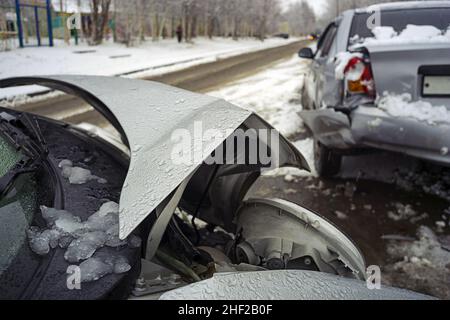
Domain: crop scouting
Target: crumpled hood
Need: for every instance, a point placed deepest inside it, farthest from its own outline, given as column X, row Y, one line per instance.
column 146, row 114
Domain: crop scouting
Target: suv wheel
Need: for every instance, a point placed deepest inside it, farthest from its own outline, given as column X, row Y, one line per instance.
column 327, row 162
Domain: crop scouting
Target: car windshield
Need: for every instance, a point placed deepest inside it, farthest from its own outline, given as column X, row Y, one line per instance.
column 400, row 19
column 17, row 208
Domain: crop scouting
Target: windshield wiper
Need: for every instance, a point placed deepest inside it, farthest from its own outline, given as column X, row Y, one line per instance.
column 24, row 134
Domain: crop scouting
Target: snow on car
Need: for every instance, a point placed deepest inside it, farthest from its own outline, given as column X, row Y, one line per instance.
column 383, row 88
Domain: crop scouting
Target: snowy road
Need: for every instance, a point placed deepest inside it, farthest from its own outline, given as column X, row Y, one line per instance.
column 149, row 59
column 381, row 207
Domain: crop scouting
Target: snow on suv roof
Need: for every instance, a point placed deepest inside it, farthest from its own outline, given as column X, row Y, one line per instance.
column 405, row 5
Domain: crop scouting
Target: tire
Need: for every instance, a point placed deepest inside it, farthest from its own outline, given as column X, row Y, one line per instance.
column 327, row 162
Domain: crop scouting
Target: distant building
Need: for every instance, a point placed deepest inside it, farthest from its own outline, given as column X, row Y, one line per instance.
column 8, row 25
column 64, row 9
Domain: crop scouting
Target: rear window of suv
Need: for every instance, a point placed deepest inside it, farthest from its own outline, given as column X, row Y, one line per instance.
column 399, row 19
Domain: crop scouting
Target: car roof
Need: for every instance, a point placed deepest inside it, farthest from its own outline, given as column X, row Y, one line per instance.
column 404, row 5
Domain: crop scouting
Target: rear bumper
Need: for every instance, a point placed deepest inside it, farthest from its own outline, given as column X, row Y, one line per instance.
column 369, row 127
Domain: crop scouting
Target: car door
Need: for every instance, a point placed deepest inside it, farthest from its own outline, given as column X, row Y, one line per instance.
column 323, row 67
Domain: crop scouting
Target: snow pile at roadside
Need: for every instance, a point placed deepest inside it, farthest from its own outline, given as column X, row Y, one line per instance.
column 77, row 175
column 435, row 183
column 424, row 263
column 403, row 106
column 413, row 34
column 81, row 240
column 111, row 59
column 273, row 94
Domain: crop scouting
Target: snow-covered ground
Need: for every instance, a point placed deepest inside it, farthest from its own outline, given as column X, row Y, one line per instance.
column 274, row 94
column 114, row 59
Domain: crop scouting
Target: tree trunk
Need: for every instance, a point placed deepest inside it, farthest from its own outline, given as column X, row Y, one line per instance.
column 99, row 20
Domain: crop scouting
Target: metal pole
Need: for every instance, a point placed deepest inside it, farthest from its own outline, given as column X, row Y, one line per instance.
column 49, row 24
column 19, row 23
column 38, row 32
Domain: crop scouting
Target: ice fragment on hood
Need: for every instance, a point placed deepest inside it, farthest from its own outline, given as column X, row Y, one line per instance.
column 42, row 241
column 77, row 175
column 84, row 239
column 84, row 247
column 102, row 264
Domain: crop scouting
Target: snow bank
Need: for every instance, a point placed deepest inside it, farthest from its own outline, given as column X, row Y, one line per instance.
column 273, row 94
column 403, row 106
column 150, row 58
column 426, row 252
column 82, row 240
column 413, row 34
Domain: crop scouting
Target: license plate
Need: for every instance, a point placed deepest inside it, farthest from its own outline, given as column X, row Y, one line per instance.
column 436, row 86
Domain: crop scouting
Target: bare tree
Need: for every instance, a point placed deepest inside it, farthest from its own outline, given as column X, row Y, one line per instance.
column 137, row 19
column 100, row 17
column 301, row 18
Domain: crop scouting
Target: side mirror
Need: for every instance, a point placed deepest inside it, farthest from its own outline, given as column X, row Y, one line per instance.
column 306, row 53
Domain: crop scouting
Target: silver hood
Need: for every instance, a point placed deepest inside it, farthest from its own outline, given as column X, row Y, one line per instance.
column 146, row 114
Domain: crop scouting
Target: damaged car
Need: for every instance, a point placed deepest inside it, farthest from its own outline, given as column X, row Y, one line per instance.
column 87, row 216
column 380, row 80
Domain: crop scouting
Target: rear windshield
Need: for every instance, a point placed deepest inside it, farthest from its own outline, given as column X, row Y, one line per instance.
column 399, row 19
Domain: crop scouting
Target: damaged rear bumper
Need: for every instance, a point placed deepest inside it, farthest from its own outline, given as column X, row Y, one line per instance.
column 370, row 127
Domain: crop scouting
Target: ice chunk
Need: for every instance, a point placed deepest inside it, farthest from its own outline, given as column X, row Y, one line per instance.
column 112, row 236
column 42, row 241
column 134, row 241
column 121, row 265
column 102, row 264
column 65, row 163
column 94, row 269
column 77, row 175
column 340, row 215
column 83, row 239
column 51, row 215
column 106, row 218
column 404, row 212
column 69, row 226
column 85, row 247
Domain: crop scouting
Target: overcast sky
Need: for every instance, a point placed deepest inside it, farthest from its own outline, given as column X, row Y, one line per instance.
column 318, row 5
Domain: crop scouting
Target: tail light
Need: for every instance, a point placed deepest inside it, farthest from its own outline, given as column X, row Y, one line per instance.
column 359, row 77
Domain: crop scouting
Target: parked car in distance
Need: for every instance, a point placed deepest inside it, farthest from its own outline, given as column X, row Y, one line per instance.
column 282, row 35
column 381, row 87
